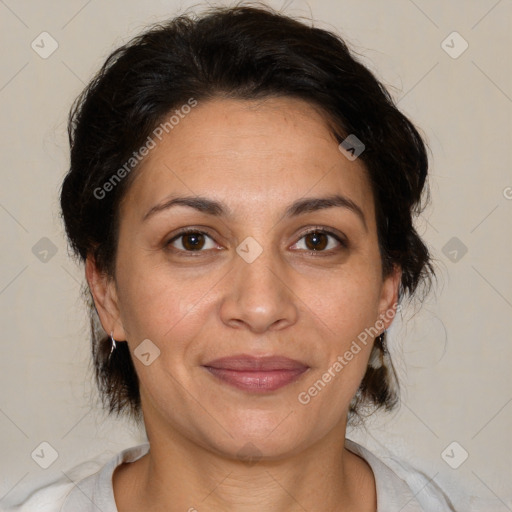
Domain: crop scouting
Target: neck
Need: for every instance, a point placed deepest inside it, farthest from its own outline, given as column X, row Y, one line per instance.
column 179, row 475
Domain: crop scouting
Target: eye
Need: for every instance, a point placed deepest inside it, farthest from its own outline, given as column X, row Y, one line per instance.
column 320, row 240
column 192, row 241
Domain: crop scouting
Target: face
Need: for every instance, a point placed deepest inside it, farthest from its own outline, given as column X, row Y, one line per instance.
column 280, row 258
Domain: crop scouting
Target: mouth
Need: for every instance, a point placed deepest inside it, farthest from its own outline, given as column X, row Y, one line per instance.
column 256, row 374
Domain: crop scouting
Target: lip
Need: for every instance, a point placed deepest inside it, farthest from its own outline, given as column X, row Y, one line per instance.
column 257, row 374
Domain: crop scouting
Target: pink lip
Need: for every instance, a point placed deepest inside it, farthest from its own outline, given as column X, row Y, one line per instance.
column 257, row 374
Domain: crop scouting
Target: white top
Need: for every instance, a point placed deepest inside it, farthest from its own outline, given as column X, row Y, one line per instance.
column 405, row 490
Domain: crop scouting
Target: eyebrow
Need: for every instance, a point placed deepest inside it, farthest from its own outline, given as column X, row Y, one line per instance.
column 299, row 207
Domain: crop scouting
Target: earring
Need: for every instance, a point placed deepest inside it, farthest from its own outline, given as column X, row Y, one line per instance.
column 113, row 343
column 382, row 342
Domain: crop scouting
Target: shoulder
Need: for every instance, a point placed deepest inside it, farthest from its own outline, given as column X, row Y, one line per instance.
column 44, row 499
column 49, row 496
column 400, row 486
column 80, row 489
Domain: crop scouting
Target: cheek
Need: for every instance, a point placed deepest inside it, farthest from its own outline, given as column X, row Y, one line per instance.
column 345, row 311
column 159, row 304
column 341, row 306
column 344, row 302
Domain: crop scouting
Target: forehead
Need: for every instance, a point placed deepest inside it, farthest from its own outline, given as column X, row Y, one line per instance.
column 251, row 155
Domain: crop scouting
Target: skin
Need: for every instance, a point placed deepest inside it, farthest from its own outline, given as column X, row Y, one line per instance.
column 257, row 158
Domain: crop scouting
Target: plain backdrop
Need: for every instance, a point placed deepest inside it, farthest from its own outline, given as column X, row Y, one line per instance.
column 454, row 354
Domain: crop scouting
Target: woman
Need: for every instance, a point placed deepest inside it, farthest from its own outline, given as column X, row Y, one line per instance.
column 241, row 191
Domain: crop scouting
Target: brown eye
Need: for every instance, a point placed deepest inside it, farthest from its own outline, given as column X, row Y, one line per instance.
column 316, row 241
column 320, row 240
column 192, row 241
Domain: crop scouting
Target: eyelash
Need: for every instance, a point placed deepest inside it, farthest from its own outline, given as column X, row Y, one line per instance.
column 343, row 242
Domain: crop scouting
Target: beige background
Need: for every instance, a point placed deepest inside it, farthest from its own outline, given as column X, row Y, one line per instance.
column 454, row 355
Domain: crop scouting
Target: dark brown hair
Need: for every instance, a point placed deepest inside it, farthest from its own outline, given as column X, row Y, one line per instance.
column 242, row 52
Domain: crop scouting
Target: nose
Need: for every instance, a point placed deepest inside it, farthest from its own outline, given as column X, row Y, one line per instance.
column 259, row 295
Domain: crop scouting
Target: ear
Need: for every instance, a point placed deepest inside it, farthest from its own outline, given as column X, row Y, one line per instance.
column 104, row 293
column 389, row 297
